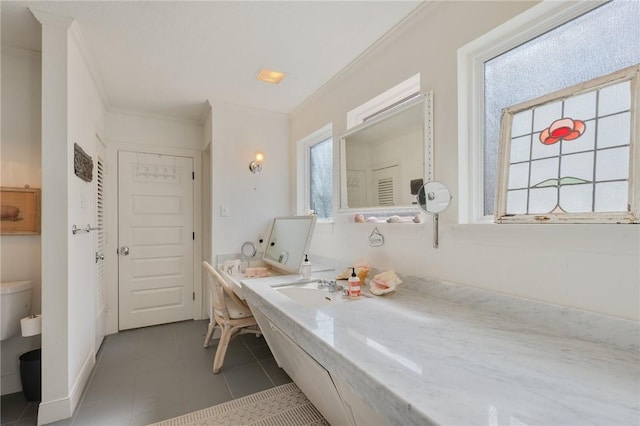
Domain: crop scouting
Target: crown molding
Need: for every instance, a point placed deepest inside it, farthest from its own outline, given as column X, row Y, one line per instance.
column 206, row 112
column 46, row 18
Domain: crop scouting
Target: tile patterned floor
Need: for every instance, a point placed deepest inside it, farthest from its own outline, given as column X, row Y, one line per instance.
column 155, row 373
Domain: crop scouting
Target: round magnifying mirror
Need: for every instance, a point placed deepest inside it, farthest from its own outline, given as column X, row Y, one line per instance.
column 434, row 197
column 248, row 249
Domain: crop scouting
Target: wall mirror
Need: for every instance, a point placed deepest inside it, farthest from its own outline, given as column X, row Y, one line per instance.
column 385, row 160
column 288, row 241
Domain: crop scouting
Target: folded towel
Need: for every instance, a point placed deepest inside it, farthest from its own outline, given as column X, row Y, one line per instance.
column 231, row 267
column 257, row 272
column 362, row 271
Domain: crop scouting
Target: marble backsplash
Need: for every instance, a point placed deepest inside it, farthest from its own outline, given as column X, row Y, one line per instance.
column 554, row 319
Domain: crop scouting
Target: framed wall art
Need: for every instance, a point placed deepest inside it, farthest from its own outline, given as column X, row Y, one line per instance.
column 20, row 211
column 82, row 163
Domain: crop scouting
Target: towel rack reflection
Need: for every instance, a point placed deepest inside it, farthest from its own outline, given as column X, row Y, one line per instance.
column 75, row 229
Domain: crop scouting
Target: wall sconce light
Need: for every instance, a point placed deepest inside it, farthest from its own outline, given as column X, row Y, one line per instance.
column 256, row 165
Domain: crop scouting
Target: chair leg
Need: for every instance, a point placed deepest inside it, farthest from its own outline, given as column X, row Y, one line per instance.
column 225, row 337
column 207, row 338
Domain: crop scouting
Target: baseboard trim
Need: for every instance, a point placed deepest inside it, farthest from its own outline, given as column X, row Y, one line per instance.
column 83, row 379
column 63, row 408
column 52, row 411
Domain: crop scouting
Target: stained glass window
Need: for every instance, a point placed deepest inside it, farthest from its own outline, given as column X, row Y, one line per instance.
column 597, row 43
column 569, row 153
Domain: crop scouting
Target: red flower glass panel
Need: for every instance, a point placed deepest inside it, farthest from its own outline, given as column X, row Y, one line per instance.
column 564, row 128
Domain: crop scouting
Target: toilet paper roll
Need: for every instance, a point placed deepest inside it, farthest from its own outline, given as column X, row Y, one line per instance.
column 31, row 325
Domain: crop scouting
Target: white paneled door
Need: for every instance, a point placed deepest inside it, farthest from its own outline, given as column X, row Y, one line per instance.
column 155, row 239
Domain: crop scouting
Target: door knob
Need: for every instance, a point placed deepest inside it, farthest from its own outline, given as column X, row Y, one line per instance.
column 124, row 251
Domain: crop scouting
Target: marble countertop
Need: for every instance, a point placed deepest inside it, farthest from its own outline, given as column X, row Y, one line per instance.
column 423, row 360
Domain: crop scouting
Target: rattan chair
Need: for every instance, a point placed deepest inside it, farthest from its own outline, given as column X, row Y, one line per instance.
column 230, row 313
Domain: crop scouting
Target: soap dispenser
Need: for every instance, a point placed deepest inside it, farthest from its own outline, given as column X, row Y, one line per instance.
column 354, row 284
column 306, row 267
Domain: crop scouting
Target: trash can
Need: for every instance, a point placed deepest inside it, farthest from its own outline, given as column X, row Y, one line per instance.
column 30, row 374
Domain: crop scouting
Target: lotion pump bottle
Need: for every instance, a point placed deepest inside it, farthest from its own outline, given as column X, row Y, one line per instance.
column 306, row 267
column 354, row 284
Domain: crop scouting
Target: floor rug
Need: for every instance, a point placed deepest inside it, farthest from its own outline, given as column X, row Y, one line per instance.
column 284, row 405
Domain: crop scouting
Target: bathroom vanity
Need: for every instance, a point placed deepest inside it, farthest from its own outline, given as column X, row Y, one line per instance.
column 417, row 357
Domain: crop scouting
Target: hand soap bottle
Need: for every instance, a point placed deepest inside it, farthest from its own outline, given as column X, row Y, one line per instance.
column 306, row 267
column 354, row 284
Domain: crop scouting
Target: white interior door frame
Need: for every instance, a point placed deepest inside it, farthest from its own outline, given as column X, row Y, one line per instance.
column 113, row 148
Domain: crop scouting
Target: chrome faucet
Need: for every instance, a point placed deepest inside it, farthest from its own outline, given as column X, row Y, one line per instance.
column 330, row 285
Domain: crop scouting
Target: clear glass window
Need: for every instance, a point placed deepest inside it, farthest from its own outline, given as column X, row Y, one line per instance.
column 597, row 43
column 321, row 178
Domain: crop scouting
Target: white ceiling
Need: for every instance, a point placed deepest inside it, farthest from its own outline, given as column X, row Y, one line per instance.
column 169, row 57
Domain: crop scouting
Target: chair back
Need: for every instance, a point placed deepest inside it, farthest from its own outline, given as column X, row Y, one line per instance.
column 217, row 286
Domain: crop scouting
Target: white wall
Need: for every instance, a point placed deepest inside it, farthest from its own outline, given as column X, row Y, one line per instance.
column 72, row 112
column 253, row 199
column 591, row 267
column 86, row 117
column 55, row 153
column 20, row 166
column 137, row 129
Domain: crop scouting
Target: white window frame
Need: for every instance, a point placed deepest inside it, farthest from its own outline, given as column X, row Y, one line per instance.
column 628, row 74
column 471, row 58
column 303, row 169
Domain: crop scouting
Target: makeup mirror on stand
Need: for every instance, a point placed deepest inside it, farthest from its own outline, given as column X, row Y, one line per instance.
column 433, row 198
column 247, row 251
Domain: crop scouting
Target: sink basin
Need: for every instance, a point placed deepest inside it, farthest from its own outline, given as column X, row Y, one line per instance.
column 308, row 294
column 311, row 297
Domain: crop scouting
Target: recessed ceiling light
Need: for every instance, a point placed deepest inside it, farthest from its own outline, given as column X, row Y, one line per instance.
column 270, row 76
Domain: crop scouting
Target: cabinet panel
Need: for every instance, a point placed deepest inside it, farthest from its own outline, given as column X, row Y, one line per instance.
column 313, row 379
column 265, row 327
column 362, row 413
column 334, row 399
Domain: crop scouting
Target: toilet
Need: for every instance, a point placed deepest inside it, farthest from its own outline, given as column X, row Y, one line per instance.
column 16, row 304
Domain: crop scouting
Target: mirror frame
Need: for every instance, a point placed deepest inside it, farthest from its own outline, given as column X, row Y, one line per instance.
column 427, row 130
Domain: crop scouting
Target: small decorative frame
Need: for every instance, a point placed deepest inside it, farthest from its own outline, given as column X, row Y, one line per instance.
column 376, row 239
column 573, row 156
column 82, row 163
column 20, row 211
